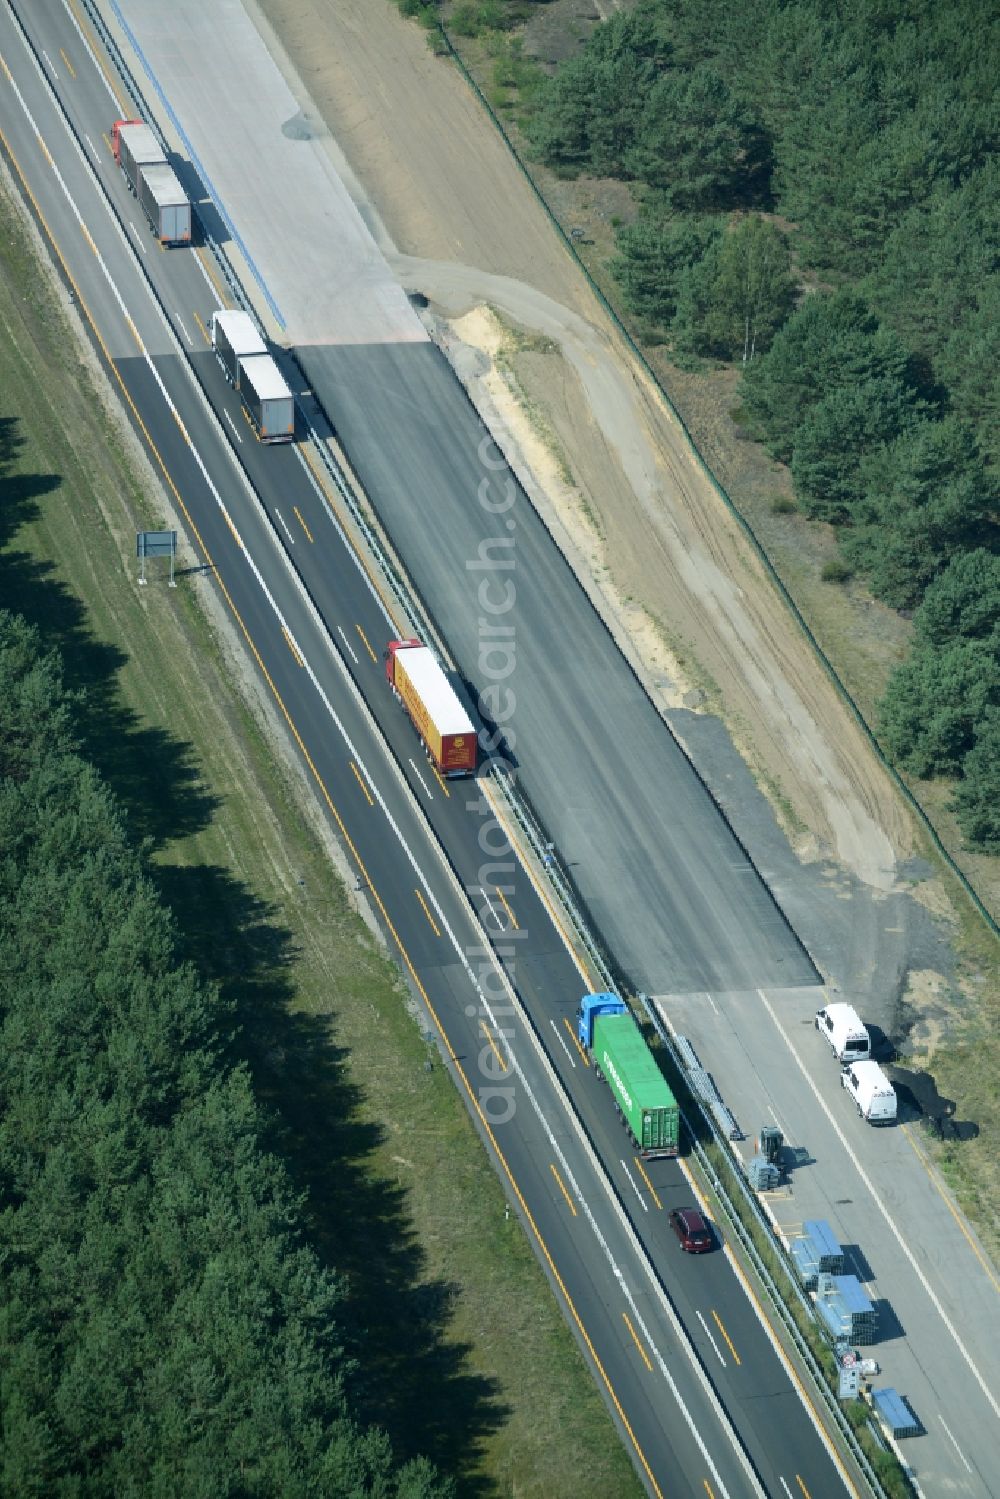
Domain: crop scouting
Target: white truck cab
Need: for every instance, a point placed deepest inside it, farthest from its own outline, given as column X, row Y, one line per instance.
column 871, row 1090
column 842, row 1028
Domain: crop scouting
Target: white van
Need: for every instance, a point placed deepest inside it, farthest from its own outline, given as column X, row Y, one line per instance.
column 842, row 1028
column 871, row 1090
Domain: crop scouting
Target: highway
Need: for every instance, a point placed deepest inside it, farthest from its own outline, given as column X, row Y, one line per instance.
column 589, row 1226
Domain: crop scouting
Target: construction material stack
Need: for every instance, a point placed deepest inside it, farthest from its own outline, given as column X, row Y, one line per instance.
column 420, row 683
column 609, row 1033
column 817, row 1252
column 250, row 369
column 153, row 180
column 845, row 1309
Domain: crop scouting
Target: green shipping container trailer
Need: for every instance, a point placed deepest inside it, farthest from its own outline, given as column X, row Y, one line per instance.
column 640, row 1089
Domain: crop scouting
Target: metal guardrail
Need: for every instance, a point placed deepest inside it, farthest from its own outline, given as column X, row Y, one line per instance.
column 716, row 1117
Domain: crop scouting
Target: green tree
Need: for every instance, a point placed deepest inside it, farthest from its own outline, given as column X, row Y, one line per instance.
column 846, row 425
column 977, row 796
column 935, row 703
column 736, row 298
column 698, row 142
column 924, row 497
column 654, row 253
column 964, row 602
column 829, row 342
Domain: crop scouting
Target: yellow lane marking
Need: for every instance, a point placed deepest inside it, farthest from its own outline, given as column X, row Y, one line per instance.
column 503, row 901
column 460, row 1072
column 708, row 1489
column 66, row 60
column 434, row 926
column 576, row 1042
column 388, row 603
column 204, row 331
column 358, row 778
column 298, row 516
column 802, row 1486
column 537, row 885
column 368, row 648
column 107, row 141
column 562, row 1187
column 635, row 1339
column 90, row 241
column 440, row 778
column 493, row 1044
column 649, row 1184
column 46, row 152
column 95, row 52
column 292, row 646
column 729, row 1341
column 3, row 64
column 922, row 1158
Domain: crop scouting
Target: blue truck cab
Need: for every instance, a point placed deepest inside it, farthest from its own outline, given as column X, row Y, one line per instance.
column 592, row 1005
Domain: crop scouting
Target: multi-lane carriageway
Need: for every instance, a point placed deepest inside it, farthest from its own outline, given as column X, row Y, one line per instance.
column 679, row 1346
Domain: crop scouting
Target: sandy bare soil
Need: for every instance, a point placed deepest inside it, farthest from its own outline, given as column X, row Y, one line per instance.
column 463, row 228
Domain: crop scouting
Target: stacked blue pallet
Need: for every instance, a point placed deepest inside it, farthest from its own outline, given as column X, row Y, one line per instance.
column 845, row 1309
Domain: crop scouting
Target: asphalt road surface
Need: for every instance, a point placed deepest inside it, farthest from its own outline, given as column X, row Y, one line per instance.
column 586, row 1223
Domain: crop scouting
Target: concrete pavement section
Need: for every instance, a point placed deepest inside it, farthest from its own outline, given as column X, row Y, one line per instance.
column 264, row 165
column 937, row 1296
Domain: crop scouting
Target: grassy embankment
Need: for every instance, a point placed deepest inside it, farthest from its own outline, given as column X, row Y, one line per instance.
column 465, row 1354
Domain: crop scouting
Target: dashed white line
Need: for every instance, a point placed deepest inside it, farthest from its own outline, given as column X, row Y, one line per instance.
column 785, row 1486
column 562, row 1043
column 718, row 1354
column 350, row 652
column 240, row 439
column 184, row 330
column 284, row 527
column 957, row 1448
column 493, row 909
column 49, row 61
column 429, row 794
column 139, row 237
column 635, row 1188
column 97, row 153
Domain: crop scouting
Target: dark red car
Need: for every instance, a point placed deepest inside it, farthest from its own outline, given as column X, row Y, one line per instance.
column 692, row 1231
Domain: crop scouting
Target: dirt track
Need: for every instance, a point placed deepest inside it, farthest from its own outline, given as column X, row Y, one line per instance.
column 454, row 214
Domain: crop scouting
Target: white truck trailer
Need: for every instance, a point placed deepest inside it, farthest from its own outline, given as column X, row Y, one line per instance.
column 250, row 369
column 153, row 181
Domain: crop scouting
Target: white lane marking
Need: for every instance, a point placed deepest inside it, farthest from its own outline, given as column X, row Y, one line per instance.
column 49, row 61
column 592, row 1160
column 184, row 330
column 708, row 1335
column 236, row 434
column 349, row 548
column 142, row 245
column 955, row 1444
column 493, row 910
column 785, row 1486
column 562, row 1043
column 97, row 153
column 880, row 1205
column 635, row 1188
column 711, row 1001
column 97, row 69
column 429, row 794
column 350, row 651
column 284, row 526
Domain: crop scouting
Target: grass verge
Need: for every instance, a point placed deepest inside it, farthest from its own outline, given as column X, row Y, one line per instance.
column 467, row 1357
